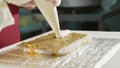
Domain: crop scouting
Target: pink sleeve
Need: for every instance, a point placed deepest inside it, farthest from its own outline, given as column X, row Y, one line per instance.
column 10, row 34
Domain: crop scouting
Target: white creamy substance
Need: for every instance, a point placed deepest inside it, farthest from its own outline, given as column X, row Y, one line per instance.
column 49, row 11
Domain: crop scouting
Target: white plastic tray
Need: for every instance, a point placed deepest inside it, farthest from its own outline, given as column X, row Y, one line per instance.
column 102, row 53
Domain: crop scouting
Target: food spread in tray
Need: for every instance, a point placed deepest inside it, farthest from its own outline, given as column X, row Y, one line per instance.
column 88, row 56
column 31, row 58
column 16, row 57
column 50, row 43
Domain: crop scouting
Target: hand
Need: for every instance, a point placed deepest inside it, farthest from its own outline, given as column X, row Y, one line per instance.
column 30, row 5
column 55, row 2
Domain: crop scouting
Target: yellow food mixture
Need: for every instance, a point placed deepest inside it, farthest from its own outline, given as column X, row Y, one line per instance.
column 50, row 42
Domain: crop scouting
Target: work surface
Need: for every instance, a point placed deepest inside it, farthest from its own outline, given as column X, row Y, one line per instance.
column 104, row 52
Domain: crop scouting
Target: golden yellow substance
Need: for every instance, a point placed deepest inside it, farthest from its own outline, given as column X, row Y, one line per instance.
column 31, row 49
column 51, row 43
column 16, row 57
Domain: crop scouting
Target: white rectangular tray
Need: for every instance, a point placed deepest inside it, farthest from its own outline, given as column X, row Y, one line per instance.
column 102, row 53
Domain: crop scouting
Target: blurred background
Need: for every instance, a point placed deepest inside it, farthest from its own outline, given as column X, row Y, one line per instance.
column 90, row 15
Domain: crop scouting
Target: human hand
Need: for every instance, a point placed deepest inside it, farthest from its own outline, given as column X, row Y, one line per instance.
column 55, row 2
column 29, row 5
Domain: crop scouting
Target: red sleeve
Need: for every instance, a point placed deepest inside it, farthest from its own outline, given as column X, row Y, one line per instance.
column 10, row 35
